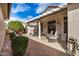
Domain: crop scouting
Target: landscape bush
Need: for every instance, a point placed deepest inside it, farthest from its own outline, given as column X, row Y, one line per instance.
column 16, row 26
column 19, row 45
column 12, row 35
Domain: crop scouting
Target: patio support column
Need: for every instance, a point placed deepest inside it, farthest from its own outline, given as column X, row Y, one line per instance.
column 39, row 30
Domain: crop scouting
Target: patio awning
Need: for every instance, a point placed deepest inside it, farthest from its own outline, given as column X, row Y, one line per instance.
column 45, row 14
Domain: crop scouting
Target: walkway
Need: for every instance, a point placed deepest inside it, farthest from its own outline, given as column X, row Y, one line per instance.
column 59, row 45
column 6, row 50
column 38, row 49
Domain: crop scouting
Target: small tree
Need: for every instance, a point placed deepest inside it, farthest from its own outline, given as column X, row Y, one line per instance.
column 16, row 26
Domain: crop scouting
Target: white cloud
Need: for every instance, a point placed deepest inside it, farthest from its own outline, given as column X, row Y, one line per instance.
column 41, row 8
column 13, row 18
column 29, row 17
column 20, row 8
column 16, row 18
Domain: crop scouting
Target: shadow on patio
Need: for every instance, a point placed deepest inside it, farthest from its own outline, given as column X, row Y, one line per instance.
column 38, row 49
column 62, row 43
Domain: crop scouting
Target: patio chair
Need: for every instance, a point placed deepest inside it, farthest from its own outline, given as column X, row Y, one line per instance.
column 53, row 37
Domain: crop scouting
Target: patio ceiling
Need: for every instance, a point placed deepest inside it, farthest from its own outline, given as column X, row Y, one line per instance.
column 6, row 7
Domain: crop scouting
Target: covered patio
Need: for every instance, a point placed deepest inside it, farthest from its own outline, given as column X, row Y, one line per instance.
column 56, row 17
column 53, row 20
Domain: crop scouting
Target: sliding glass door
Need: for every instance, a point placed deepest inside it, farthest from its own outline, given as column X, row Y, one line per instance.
column 51, row 26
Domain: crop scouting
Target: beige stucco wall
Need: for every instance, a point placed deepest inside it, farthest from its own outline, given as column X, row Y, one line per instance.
column 58, row 17
column 2, row 29
column 73, row 20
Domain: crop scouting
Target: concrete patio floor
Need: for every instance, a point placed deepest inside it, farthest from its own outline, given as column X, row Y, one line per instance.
column 38, row 49
column 57, row 45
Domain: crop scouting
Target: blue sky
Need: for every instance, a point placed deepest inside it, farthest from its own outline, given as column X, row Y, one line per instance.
column 26, row 11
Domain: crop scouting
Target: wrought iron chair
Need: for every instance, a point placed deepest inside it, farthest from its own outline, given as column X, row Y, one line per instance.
column 73, row 47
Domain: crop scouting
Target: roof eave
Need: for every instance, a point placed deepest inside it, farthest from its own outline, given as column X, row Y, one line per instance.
column 6, row 7
column 38, row 17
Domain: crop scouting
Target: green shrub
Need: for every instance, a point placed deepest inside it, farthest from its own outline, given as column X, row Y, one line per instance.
column 19, row 45
column 12, row 35
column 15, row 26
